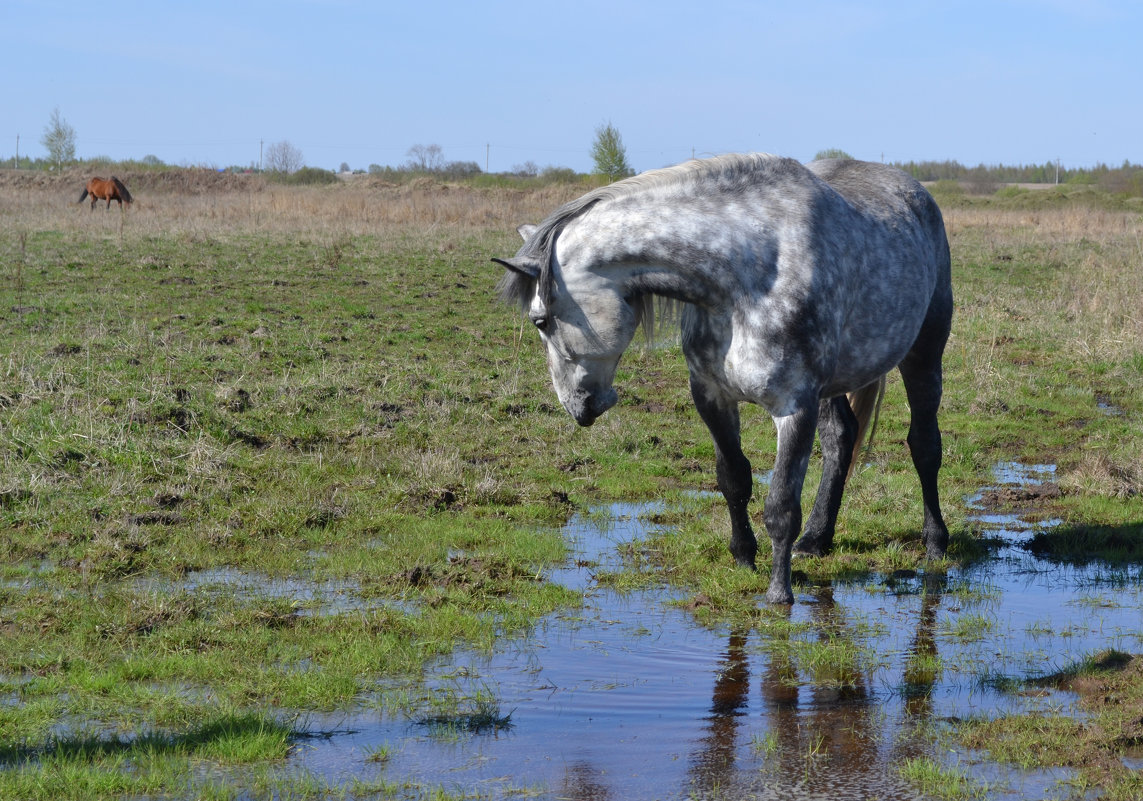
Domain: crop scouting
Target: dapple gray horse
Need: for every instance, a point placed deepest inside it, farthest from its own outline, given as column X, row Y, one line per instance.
column 801, row 287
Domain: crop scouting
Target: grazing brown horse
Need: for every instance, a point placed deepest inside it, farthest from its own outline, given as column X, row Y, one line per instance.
column 109, row 190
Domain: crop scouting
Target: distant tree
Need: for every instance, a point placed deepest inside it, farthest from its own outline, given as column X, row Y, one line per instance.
column 425, row 158
column 832, row 153
column 609, row 154
column 59, row 139
column 283, row 157
column 528, row 169
column 344, row 167
column 460, row 169
column 152, row 161
column 980, row 181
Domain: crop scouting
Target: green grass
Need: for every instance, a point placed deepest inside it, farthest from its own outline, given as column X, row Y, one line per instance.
column 282, row 410
column 1110, row 694
column 109, row 765
column 938, row 781
column 450, row 713
column 349, row 412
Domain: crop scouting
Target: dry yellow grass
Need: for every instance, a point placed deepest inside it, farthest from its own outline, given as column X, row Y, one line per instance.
column 224, row 205
column 1101, row 297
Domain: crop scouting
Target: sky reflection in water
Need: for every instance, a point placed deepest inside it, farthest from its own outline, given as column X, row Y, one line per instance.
column 629, row 698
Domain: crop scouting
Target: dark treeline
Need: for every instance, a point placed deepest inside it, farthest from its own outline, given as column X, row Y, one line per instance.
column 1127, row 178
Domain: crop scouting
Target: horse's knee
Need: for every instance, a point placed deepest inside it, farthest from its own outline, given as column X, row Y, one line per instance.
column 782, row 516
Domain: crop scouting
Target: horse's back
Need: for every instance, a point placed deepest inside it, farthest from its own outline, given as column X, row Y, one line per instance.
column 881, row 192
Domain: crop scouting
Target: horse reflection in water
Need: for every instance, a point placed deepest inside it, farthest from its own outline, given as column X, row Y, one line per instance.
column 801, row 287
column 830, row 740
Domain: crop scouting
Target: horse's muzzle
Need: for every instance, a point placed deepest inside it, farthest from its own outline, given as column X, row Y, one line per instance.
column 585, row 407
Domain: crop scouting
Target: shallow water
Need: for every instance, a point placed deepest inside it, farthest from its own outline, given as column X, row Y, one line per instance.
column 312, row 597
column 628, row 697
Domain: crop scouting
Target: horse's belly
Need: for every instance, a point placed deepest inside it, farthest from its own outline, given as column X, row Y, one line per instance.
column 875, row 339
column 781, row 373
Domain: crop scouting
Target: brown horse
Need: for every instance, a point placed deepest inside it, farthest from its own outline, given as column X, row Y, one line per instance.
column 102, row 189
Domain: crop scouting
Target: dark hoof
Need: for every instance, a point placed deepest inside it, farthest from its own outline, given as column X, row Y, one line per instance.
column 803, row 548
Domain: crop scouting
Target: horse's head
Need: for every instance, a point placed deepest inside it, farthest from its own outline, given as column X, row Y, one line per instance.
column 583, row 318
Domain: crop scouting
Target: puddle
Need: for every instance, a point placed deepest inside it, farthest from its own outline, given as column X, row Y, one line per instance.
column 26, row 575
column 1007, row 782
column 1107, row 406
column 1019, row 474
column 627, row 697
column 312, row 597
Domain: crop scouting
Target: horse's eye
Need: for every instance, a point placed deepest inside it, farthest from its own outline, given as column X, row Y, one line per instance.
column 540, row 323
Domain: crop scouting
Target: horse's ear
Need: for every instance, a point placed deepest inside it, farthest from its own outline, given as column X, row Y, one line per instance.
column 526, row 230
column 521, row 264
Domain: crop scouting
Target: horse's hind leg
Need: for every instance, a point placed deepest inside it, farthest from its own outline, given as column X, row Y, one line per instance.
column 921, row 372
column 837, row 427
column 734, row 477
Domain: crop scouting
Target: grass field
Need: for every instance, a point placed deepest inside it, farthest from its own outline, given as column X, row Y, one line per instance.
column 266, row 450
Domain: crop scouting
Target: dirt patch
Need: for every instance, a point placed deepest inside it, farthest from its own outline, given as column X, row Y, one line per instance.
column 1111, row 692
column 1019, row 496
column 488, row 575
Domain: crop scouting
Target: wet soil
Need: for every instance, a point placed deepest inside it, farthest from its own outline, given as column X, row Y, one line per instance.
column 628, row 697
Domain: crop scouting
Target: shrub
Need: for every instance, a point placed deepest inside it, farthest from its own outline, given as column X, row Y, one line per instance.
column 947, row 188
column 306, row 176
column 1011, row 191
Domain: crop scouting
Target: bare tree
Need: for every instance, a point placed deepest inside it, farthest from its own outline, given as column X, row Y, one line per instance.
column 284, row 157
column 425, row 158
column 59, row 139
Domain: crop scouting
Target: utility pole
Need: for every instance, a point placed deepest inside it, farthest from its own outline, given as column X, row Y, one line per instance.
column 1057, row 171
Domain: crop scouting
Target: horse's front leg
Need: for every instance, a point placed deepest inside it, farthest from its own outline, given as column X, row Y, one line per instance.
column 734, row 478
column 783, row 507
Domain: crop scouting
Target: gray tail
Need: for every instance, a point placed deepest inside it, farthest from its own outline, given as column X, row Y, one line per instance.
column 123, row 193
column 866, row 405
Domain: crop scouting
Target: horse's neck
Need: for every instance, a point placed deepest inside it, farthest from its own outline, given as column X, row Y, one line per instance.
column 686, row 282
column 666, row 251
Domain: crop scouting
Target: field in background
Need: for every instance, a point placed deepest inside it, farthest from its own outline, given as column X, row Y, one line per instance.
column 266, row 450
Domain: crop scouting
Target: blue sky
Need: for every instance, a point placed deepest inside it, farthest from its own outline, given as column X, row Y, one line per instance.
column 504, row 83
